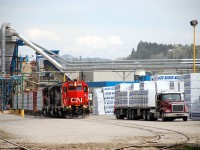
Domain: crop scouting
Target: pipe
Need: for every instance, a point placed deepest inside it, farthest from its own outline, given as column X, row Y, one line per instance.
column 71, row 66
column 117, row 62
column 40, row 51
column 3, row 46
column 120, row 62
column 50, row 52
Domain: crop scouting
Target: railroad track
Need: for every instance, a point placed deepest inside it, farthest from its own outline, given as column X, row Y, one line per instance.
column 7, row 145
column 162, row 138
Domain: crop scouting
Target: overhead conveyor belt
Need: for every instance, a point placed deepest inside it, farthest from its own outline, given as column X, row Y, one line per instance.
column 64, row 65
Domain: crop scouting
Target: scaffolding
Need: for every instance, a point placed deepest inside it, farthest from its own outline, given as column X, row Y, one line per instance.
column 11, row 92
column 17, row 92
column 5, row 92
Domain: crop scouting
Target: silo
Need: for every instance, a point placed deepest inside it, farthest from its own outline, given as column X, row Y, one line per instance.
column 10, row 42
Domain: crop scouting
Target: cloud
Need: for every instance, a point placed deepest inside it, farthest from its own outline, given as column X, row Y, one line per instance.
column 92, row 41
column 98, row 42
column 108, row 46
column 115, row 40
column 36, row 33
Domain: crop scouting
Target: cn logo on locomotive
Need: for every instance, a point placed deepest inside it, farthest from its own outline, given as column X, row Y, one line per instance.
column 75, row 99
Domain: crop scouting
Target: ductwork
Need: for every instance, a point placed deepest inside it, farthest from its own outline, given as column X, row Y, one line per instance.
column 3, row 46
column 120, row 62
column 153, row 62
column 108, row 65
column 40, row 51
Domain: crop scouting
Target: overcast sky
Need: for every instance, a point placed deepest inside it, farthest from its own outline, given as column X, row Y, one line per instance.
column 101, row 28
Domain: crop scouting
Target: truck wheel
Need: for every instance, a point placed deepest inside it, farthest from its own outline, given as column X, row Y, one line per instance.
column 130, row 118
column 133, row 115
column 185, row 118
column 117, row 114
column 128, row 114
column 145, row 115
column 171, row 119
column 149, row 117
column 162, row 116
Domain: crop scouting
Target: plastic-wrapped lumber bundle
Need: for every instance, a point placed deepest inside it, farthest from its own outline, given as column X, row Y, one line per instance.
column 98, row 104
column 123, row 87
column 39, row 99
column 125, row 98
column 135, row 86
column 165, row 77
column 15, row 101
column 192, row 94
column 26, row 100
column 30, row 101
column 109, row 99
column 121, row 93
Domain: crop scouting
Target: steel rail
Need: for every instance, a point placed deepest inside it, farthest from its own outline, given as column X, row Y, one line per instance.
column 17, row 146
column 142, row 127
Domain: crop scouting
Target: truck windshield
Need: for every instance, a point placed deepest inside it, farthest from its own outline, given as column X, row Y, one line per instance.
column 171, row 97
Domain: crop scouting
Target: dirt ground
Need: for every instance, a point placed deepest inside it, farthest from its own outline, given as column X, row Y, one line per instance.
column 88, row 133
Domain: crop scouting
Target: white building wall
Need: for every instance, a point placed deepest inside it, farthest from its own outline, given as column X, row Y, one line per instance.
column 88, row 76
column 74, row 75
column 107, row 76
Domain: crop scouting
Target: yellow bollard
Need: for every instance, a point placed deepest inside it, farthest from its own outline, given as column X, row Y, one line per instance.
column 16, row 112
column 22, row 113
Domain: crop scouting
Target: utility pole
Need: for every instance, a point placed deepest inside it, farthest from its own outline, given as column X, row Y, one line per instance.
column 194, row 23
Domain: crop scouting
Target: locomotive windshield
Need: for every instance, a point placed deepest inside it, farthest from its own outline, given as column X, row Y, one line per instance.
column 77, row 88
column 171, row 97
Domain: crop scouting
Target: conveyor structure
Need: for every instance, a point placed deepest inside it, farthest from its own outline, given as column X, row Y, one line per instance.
column 65, row 65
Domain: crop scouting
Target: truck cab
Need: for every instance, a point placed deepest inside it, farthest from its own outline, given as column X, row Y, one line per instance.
column 169, row 106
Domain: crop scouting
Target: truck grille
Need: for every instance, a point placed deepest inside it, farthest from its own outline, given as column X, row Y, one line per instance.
column 177, row 108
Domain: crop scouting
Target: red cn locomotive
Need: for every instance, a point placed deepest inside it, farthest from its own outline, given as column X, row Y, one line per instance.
column 68, row 99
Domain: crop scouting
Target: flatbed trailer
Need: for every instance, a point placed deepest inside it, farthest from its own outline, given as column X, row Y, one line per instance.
column 166, row 109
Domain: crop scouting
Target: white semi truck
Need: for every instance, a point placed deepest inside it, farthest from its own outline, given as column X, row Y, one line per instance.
column 150, row 100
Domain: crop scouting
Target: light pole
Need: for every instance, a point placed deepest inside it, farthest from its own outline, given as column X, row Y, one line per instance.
column 194, row 23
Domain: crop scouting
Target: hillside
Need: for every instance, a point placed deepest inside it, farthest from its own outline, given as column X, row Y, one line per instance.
column 71, row 58
column 150, row 50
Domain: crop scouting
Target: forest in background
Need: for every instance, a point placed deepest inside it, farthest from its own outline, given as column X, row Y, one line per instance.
column 148, row 50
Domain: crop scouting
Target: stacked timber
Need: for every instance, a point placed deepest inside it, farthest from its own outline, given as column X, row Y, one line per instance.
column 109, row 99
column 192, row 94
column 98, row 102
column 32, row 100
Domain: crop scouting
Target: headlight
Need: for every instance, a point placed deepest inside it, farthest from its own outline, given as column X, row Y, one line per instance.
column 168, row 110
column 85, row 106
